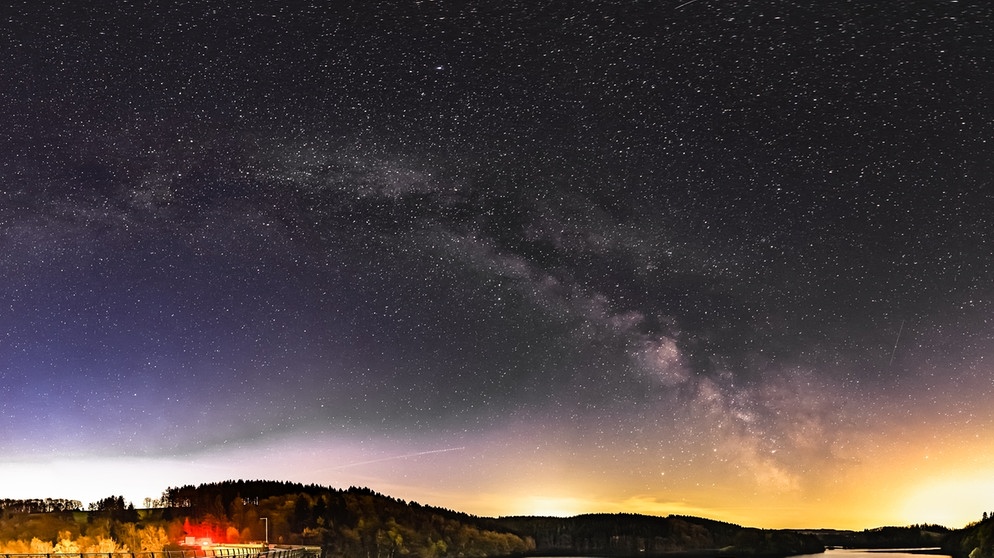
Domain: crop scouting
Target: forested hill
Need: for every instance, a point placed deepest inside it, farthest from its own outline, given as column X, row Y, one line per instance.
column 352, row 522
column 632, row 534
column 359, row 519
column 360, row 522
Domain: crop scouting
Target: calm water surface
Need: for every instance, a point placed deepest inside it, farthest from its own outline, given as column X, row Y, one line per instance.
column 856, row 553
column 851, row 553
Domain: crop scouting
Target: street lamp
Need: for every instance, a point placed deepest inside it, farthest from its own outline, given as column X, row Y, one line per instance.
column 266, row 519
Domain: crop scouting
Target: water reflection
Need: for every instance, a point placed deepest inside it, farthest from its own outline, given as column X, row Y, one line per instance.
column 834, row 553
column 872, row 553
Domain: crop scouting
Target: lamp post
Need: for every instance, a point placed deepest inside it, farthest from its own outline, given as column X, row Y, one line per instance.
column 266, row 519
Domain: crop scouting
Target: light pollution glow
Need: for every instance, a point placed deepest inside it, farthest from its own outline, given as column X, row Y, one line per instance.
column 894, row 481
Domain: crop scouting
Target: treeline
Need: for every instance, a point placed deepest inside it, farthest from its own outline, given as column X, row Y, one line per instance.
column 632, row 534
column 201, row 497
column 39, row 505
column 361, row 522
column 352, row 522
column 912, row 536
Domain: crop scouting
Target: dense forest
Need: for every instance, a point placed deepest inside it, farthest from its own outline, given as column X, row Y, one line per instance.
column 353, row 522
column 357, row 522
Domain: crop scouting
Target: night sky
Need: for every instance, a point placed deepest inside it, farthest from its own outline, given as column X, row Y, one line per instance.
column 722, row 258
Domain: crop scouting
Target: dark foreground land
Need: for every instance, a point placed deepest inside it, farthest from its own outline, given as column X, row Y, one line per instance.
column 360, row 522
column 640, row 535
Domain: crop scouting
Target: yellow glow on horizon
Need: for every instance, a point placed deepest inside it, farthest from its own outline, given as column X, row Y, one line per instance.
column 899, row 475
column 568, row 506
column 951, row 501
column 552, row 506
column 900, row 482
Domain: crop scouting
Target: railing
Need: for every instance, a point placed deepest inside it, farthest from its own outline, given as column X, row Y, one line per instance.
column 296, row 552
column 257, row 552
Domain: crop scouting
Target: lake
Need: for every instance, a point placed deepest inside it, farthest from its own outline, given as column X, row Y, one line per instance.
column 862, row 553
column 836, row 553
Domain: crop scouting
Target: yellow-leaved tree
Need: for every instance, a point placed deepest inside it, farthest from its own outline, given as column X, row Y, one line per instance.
column 65, row 545
column 39, row 546
column 153, row 538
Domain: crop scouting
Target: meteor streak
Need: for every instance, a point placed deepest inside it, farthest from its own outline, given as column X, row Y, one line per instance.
column 393, row 457
column 896, row 341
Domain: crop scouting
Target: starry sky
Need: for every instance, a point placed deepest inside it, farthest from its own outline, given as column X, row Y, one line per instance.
column 722, row 258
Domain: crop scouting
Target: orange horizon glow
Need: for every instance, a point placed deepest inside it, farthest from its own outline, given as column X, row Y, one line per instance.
column 895, row 477
column 892, row 479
